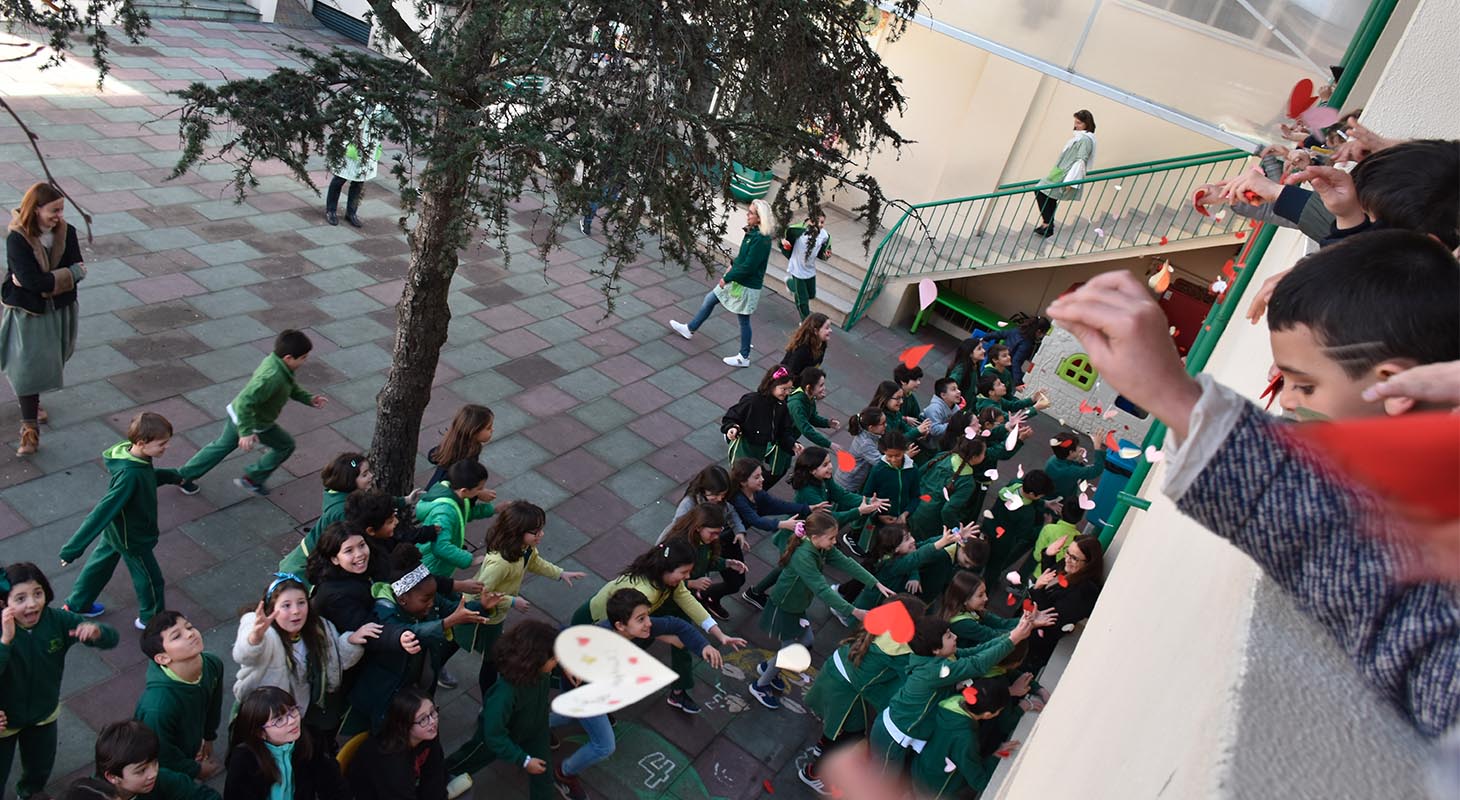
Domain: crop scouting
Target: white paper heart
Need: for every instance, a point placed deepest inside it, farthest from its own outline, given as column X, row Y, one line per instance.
column 1019, row 473
column 794, row 658
column 927, row 293
column 1130, row 452
column 1068, row 627
column 943, row 673
column 1153, row 455
column 615, row 671
column 1013, row 579
column 948, row 765
column 991, row 474
column 1086, row 503
column 988, row 513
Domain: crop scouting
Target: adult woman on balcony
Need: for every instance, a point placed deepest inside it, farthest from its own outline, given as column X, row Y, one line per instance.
column 1070, row 586
column 1075, row 162
column 38, row 332
column 739, row 290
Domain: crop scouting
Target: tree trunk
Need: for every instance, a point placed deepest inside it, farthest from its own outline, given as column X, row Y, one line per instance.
column 421, row 323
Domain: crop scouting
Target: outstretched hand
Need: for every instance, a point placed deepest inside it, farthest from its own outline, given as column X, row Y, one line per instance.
column 261, row 623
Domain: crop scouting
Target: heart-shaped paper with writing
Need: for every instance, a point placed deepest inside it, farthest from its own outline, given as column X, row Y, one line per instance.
column 615, row 672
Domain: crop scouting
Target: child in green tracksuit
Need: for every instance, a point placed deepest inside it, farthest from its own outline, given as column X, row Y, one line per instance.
column 513, row 724
column 896, row 560
column 964, row 603
column 346, row 473
column 951, row 763
column 992, row 394
column 953, row 490
column 253, row 416
column 1015, row 519
column 450, row 505
column 183, row 699
column 1067, row 466
column 801, row 404
column 936, row 666
column 894, row 477
column 34, row 640
column 126, row 520
column 126, row 753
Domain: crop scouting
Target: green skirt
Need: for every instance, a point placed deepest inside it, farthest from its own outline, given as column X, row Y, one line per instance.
column 34, row 348
column 783, row 625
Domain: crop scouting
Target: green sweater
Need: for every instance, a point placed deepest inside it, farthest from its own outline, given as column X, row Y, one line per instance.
column 513, row 722
column 973, row 630
column 963, row 376
column 848, row 703
column 911, row 408
column 844, row 503
column 32, row 664
column 803, row 578
column 898, row 486
column 257, row 406
column 127, row 513
column 748, row 268
column 1020, row 529
column 806, row 419
column 953, row 740
column 1049, row 533
column 441, row 507
column 963, row 499
column 182, row 714
column 1005, row 376
column 1067, row 474
column 1008, row 404
column 895, row 571
column 930, row 679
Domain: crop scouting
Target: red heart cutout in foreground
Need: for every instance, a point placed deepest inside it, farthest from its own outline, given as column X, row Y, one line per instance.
column 970, row 695
column 1420, row 459
column 1301, row 98
column 912, row 356
column 892, row 619
column 846, row 462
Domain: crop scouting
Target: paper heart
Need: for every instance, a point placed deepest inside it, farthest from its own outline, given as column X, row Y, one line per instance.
column 1086, row 503
column 991, row 474
column 927, row 293
column 1010, row 600
column 1153, row 455
column 1110, row 441
column 1012, row 440
column 892, row 619
column 1086, row 408
column 913, row 356
column 1174, row 332
column 1219, row 286
column 948, row 765
column 1197, row 204
column 971, row 432
column 1014, row 502
column 793, row 658
column 1019, row 473
column 999, row 532
column 1301, row 98
column 1029, row 607
column 1161, row 281
column 1002, row 324
column 1165, row 241
column 988, row 513
column 1110, row 413
column 1068, row 628
column 1013, row 579
column 1130, row 452
column 945, row 493
column 944, row 672
column 846, row 462
column 985, row 434
column 970, row 695
column 1063, row 582
column 1084, row 486
column 1241, row 235
column 600, row 658
column 925, row 498
column 1099, row 233
column 1319, row 117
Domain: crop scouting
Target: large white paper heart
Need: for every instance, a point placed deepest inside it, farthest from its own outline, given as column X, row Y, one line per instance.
column 794, row 658
column 616, row 672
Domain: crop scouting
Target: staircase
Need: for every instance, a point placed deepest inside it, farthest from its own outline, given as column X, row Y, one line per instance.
column 1126, row 210
column 221, row 10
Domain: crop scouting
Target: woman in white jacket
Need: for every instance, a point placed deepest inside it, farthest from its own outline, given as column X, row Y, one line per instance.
column 284, row 643
column 1076, row 160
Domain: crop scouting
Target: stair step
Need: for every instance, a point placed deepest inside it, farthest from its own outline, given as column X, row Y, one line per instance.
column 224, row 10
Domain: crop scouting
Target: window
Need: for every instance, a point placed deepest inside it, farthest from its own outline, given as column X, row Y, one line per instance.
column 1077, row 372
column 1321, row 29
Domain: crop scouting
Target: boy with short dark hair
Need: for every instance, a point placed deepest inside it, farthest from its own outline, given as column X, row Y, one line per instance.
column 1067, row 467
column 1000, row 364
column 183, row 697
column 126, row 758
column 126, row 520
column 947, row 398
column 908, row 379
column 450, row 505
column 993, row 394
column 253, row 415
column 1015, row 518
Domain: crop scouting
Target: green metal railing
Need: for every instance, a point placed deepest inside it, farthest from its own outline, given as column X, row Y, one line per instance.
column 1173, row 161
column 1355, row 58
column 1123, row 207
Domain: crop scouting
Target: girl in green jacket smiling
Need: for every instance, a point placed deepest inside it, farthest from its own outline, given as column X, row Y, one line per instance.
column 34, row 640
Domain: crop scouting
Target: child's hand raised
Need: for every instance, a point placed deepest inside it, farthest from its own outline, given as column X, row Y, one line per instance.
column 1126, row 336
column 7, row 625
column 737, row 565
column 366, row 632
column 569, row 577
column 409, row 642
column 414, row 496
column 261, row 623
column 1045, row 617
column 913, row 586
column 1055, row 546
column 822, row 506
column 85, row 632
column 462, row 615
column 490, row 599
column 1020, row 686
column 730, row 641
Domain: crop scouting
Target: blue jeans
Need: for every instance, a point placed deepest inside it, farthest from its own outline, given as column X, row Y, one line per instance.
column 704, row 313
column 600, row 742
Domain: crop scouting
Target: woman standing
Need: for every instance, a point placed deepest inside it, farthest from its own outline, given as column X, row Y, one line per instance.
column 359, row 166
column 1075, row 162
column 38, row 333
column 739, row 290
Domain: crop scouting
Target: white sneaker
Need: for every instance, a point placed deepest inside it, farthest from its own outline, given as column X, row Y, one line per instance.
column 139, row 624
column 681, row 329
column 736, row 360
column 458, row 786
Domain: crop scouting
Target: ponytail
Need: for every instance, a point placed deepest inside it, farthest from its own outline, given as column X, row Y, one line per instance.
column 815, row 525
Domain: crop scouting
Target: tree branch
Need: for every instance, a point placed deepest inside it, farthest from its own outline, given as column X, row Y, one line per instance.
column 51, row 179
column 406, row 36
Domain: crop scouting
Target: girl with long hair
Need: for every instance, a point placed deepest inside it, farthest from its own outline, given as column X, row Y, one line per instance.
column 468, row 433
column 404, row 761
column 811, row 242
column 709, row 485
column 272, row 754
column 759, row 426
column 704, row 529
column 806, row 346
column 964, row 366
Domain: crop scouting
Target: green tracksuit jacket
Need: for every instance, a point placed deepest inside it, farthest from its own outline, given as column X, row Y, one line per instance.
column 441, row 507
column 32, row 665
column 182, row 714
column 127, row 513
column 258, row 404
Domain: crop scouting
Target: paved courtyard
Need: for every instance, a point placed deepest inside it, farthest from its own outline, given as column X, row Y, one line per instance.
column 599, row 419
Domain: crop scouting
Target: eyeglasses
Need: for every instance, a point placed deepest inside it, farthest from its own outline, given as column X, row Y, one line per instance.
column 284, row 720
column 1072, row 555
column 427, row 718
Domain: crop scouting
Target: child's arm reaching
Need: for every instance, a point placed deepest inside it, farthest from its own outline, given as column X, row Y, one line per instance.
column 118, row 493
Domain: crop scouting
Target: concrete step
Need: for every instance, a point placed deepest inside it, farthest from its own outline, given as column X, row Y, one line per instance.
column 221, row 10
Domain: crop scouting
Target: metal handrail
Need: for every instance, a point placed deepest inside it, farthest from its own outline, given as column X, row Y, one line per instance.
column 940, row 244
column 1160, row 162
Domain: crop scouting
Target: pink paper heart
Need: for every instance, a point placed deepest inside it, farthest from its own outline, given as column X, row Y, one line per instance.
column 927, row 293
column 1319, row 117
column 1086, row 503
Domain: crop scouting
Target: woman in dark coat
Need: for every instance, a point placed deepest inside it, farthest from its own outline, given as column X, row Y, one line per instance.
column 1070, row 586
column 38, row 332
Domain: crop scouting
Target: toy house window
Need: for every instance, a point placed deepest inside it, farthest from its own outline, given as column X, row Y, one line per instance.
column 1076, row 371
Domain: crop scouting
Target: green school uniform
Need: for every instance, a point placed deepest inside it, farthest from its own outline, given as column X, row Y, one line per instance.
column 331, row 510
column 895, row 571
column 441, row 507
column 32, row 665
column 961, row 503
column 898, row 486
column 512, row 727
column 806, row 418
column 953, row 740
column 963, row 376
column 1067, row 474
column 929, row 680
column 847, row 695
column 384, row 670
column 1005, row 376
column 938, row 573
column 973, row 630
column 126, row 520
column 258, row 404
column 844, row 505
column 183, row 714
column 911, row 408
column 1021, row 527
column 1008, row 404
column 802, row 579
column 684, row 606
column 1049, row 533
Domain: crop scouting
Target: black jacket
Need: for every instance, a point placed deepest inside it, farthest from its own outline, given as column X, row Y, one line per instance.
column 35, row 283
column 374, row 775
column 801, row 358
column 763, row 421
column 315, row 778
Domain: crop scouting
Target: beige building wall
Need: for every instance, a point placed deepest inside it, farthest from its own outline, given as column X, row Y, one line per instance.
column 1196, row 676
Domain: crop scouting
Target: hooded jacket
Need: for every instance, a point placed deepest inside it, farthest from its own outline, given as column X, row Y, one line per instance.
column 182, row 714
column 259, row 402
column 32, row 665
column 41, row 275
column 267, row 663
column 441, row 507
column 127, row 513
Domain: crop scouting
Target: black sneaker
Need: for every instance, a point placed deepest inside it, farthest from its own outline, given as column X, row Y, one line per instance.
column 851, row 542
column 754, row 598
column 250, row 487
column 353, row 220
column 766, row 697
column 188, row 488
column 568, row 785
column 716, row 610
column 681, row 700
column 446, row 680
column 776, row 682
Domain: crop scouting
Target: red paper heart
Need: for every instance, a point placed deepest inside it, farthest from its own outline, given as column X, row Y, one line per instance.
column 767, row 785
column 1086, row 408
column 999, row 531
column 1164, row 240
column 970, row 695
column 633, row 659
column 912, row 356
column 582, row 641
column 1064, row 582
column 1417, row 472
column 891, row 619
column 846, row 462
column 1028, row 606
column 1011, row 601
column 1110, row 441
column 925, row 498
column 1301, row 98
column 1241, row 234
column 1196, row 203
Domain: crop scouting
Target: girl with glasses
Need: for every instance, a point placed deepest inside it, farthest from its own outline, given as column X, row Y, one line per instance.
column 272, row 755
column 404, row 761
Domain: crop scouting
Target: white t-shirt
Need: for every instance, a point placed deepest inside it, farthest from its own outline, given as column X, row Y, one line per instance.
column 797, row 264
